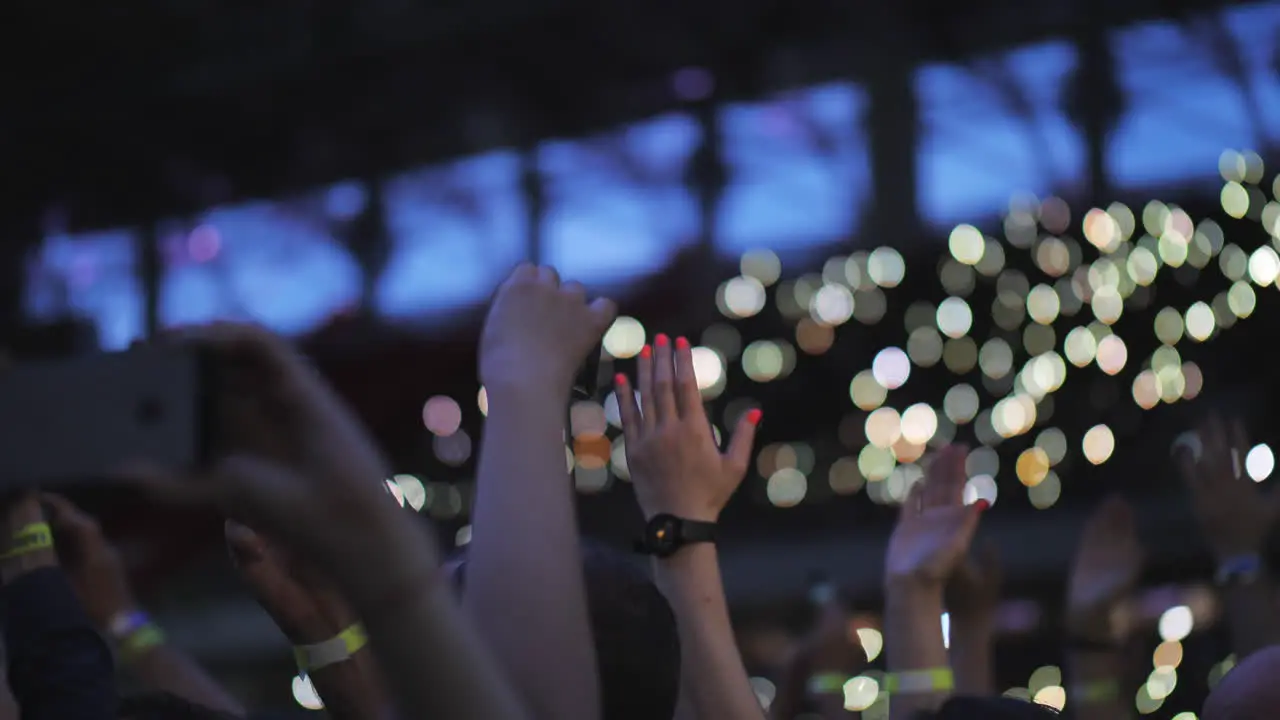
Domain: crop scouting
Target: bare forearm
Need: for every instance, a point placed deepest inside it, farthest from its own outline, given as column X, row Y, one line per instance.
column 913, row 641
column 1093, row 685
column 1251, row 615
column 352, row 690
column 166, row 668
column 435, row 667
column 712, row 672
column 432, row 662
column 971, row 654
column 526, row 539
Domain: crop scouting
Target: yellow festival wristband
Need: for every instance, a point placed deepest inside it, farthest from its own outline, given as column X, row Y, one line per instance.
column 28, row 539
column 334, row 650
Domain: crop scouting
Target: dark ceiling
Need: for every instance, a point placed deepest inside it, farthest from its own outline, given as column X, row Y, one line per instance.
column 123, row 113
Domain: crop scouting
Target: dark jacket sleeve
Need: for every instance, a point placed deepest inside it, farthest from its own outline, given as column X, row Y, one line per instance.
column 59, row 666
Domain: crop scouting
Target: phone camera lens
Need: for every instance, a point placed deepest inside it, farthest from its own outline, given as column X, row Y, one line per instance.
column 149, row 412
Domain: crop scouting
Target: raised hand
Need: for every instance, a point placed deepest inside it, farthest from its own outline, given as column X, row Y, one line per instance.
column 973, row 590
column 91, row 561
column 677, row 469
column 671, row 452
column 539, row 330
column 934, row 527
column 1107, row 563
column 1235, row 515
column 308, row 609
column 305, row 607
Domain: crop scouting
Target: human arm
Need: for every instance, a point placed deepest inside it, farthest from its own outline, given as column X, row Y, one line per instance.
column 1107, row 563
column 59, row 667
column 309, row 610
column 524, row 526
column 972, row 598
column 101, row 583
column 302, row 469
column 678, row 470
column 931, row 537
column 1234, row 516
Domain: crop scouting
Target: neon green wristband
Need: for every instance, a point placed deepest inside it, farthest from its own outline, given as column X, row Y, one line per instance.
column 913, row 682
column 28, row 539
column 827, row 684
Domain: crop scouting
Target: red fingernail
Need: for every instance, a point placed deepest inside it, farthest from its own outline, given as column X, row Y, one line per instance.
column 754, row 415
column 982, row 504
column 661, row 340
column 645, row 352
column 682, row 343
column 620, row 379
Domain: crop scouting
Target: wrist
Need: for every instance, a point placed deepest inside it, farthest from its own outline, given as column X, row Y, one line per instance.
column 314, row 630
column 970, row 622
column 683, row 511
column 1091, row 625
column 912, row 586
column 15, row 567
column 686, row 558
column 911, row 598
column 539, row 387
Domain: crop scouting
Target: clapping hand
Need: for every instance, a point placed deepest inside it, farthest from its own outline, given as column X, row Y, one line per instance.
column 671, row 452
column 539, row 331
column 1107, row 563
column 934, row 527
column 1235, row 515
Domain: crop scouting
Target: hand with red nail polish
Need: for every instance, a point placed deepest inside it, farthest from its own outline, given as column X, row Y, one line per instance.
column 671, row 452
column 677, row 469
column 934, row 527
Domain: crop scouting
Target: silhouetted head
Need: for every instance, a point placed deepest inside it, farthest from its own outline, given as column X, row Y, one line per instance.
column 637, row 648
column 166, row 706
column 963, row 707
column 1249, row 690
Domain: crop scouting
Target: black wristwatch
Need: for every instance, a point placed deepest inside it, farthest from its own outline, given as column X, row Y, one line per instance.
column 665, row 534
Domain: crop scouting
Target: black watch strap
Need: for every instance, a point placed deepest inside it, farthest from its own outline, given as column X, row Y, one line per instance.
column 665, row 534
column 698, row 531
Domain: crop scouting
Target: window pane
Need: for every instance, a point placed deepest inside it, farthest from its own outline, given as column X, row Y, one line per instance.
column 618, row 205
column 994, row 128
column 1181, row 110
column 282, row 264
column 1255, row 33
column 455, row 231
column 799, row 169
column 93, row 276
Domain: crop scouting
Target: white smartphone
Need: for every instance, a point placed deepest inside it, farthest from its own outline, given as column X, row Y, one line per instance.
column 85, row 418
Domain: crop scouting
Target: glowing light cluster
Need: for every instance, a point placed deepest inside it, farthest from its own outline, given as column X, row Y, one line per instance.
column 1048, row 297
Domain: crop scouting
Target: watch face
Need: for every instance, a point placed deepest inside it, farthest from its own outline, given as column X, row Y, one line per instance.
column 664, row 534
